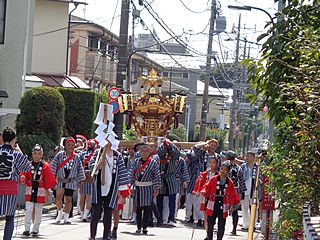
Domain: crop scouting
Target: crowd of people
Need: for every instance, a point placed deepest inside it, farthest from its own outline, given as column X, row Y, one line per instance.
column 211, row 185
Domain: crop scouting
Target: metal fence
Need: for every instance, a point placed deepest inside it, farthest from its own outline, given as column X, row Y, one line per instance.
column 311, row 225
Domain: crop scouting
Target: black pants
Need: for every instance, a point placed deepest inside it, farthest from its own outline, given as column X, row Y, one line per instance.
column 235, row 218
column 156, row 212
column 221, row 226
column 217, row 213
column 143, row 221
column 96, row 215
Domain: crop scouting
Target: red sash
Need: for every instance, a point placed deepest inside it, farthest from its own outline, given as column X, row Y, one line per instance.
column 142, row 167
column 166, row 160
column 88, row 159
column 8, row 187
column 66, row 161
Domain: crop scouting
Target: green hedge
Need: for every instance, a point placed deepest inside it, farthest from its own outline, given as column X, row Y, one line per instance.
column 42, row 113
column 80, row 110
column 179, row 134
column 212, row 133
column 27, row 142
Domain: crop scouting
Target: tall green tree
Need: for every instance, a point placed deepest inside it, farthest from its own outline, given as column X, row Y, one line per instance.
column 286, row 79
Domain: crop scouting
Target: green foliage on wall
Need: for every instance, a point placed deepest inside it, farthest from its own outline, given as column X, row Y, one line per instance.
column 27, row 142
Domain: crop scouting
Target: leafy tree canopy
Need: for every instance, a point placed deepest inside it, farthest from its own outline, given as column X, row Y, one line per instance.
column 286, row 79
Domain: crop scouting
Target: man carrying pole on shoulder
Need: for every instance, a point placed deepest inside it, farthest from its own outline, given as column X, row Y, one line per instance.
column 110, row 177
column 169, row 156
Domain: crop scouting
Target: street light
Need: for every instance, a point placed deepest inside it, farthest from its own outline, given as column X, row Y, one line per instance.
column 137, row 50
column 249, row 8
column 255, row 194
column 218, row 104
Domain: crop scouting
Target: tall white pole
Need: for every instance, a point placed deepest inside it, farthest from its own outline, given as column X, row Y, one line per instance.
column 188, row 108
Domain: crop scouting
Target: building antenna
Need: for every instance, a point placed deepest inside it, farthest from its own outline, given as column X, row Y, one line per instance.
column 84, row 11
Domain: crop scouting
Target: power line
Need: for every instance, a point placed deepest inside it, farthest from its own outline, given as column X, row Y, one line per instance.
column 196, row 12
column 136, row 49
column 201, row 32
column 220, row 47
column 75, row 25
column 160, row 21
column 52, row 31
column 164, row 48
column 226, row 77
column 114, row 13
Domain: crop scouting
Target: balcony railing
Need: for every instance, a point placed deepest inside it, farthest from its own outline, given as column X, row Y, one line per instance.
column 93, row 65
column 100, row 67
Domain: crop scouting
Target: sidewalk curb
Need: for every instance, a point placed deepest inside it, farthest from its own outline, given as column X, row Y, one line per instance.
column 260, row 236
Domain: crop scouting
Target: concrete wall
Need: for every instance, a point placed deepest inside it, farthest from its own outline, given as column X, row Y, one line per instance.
column 214, row 110
column 79, row 43
column 49, row 50
column 11, row 56
column 191, row 84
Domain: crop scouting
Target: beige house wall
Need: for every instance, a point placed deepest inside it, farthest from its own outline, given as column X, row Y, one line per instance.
column 12, row 57
column 50, row 37
column 214, row 110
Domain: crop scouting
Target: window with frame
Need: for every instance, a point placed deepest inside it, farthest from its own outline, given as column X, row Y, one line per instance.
column 176, row 75
column 165, row 74
column 3, row 4
column 185, row 75
column 93, row 43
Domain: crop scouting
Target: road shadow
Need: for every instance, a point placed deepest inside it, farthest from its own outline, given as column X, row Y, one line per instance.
column 21, row 236
column 138, row 234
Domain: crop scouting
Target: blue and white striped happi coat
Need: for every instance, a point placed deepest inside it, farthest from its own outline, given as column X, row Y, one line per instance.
column 86, row 188
column 168, row 171
column 76, row 170
column 196, row 164
column 144, row 195
column 182, row 174
column 121, row 180
column 12, row 163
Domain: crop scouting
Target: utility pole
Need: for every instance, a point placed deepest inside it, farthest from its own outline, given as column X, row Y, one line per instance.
column 170, row 81
column 135, row 14
column 243, row 85
column 281, row 6
column 234, row 96
column 122, row 57
column 68, row 37
column 204, row 111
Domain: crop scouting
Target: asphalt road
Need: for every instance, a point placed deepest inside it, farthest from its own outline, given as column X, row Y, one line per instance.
column 79, row 230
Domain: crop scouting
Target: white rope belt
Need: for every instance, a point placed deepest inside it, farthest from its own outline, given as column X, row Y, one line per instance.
column 143, row 184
